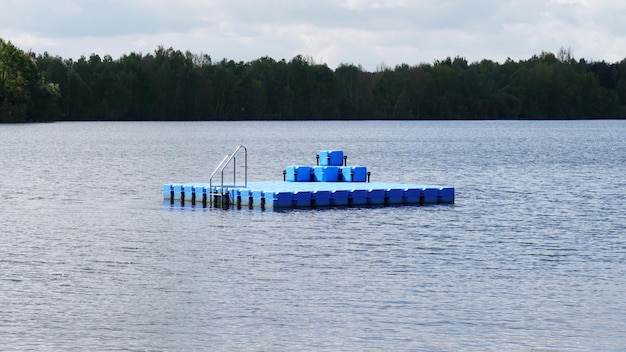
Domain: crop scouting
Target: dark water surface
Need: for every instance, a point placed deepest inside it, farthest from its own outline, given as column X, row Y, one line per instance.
column 532, row 257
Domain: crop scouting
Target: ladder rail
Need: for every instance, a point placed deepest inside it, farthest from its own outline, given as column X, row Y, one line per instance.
column 222, row 166
column 219, row 166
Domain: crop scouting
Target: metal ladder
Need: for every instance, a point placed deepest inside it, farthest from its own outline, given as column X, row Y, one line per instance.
column 220, row 196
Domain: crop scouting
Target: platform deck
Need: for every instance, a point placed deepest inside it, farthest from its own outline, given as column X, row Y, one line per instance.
column 278, row 195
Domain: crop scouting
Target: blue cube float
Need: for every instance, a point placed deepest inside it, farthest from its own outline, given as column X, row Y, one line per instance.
column 331, row 158
column 283, row 199
column 301, row 199
column 326, row 173
column 339, row 198
column 354, row 173
column 430, row 196
column 320, row 198
column 358, row 197
column 393, row 196
column 376, row 197
column 298, row 173
column 411, row 195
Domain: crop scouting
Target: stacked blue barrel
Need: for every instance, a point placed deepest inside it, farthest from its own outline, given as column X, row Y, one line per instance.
column 331, row 167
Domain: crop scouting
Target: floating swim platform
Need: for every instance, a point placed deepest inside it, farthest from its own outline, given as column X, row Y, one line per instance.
column 330, row 183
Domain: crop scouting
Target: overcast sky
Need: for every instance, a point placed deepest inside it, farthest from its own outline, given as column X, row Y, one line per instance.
column 366, row 32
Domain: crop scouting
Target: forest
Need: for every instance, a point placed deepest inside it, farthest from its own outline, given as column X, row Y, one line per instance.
column 168, row 84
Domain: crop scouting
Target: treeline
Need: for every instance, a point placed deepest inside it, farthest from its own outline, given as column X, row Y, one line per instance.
column 173, row 85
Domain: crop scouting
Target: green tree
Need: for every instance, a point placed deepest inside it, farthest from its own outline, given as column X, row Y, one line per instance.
column 24, row 95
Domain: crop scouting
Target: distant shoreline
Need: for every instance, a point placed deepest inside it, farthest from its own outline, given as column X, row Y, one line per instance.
column 323, row 120
column 169, row 85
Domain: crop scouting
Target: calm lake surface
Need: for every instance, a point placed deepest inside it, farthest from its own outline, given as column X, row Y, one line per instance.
column 532, row 257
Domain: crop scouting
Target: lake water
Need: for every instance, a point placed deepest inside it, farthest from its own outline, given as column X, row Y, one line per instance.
column 532, row 257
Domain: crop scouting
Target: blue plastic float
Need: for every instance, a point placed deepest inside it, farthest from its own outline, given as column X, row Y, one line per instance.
column 330, row 183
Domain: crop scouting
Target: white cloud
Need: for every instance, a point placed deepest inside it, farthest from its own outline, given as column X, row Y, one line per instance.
column 366, row 32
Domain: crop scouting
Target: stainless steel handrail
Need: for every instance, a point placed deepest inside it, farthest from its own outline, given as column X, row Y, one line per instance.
column 222, row 165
